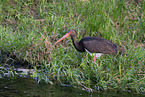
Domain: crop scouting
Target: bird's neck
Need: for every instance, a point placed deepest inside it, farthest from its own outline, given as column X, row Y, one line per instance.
column 77, row 45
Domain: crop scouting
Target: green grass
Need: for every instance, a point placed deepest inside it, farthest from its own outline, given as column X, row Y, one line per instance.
column 29, row 30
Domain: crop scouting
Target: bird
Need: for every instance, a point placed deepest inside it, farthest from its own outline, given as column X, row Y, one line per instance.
column 95, row 46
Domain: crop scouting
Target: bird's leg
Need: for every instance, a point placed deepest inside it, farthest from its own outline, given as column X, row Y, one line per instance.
column 95, row 61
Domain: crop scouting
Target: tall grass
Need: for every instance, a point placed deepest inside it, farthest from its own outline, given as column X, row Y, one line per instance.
column 30, row 28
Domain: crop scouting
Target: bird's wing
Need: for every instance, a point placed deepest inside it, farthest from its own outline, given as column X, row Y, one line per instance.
column 100, row 46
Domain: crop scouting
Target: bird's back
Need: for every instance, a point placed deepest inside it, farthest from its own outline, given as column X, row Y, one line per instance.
column 100, row 45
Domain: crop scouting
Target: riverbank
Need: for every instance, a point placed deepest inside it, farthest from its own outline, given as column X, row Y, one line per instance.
column 30, row 29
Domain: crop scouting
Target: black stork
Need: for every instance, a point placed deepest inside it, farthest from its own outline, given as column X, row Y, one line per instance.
column 95, row 46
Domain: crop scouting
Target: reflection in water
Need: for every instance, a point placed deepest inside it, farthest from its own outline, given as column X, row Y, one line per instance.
column 24, row 87
column 20, row 86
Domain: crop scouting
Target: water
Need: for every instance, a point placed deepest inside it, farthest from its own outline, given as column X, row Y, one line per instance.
column 23, row 86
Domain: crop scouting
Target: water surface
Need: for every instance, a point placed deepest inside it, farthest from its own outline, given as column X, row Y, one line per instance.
column 23, row 86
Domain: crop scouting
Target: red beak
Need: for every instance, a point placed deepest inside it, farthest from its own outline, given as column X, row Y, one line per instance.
column 65, row 36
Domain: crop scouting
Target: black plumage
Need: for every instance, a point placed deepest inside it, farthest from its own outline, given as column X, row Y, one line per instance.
column 93, row 44
column 96, row 45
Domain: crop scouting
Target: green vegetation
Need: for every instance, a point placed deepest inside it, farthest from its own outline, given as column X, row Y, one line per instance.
column 30, row 28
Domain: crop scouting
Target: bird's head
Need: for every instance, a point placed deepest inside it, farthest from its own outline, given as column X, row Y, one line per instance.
column 70, row 33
